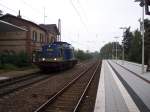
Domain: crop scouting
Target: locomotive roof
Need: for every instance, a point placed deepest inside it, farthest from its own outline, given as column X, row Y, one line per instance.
column 60, row 44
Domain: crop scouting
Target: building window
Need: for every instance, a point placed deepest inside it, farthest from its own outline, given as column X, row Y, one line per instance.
column 41, row 37
column 34, row 36
column 52, row 39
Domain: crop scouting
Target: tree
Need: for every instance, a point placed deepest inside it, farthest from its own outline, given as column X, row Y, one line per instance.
column 135, row 47
column 1, row 12
column 147, row 40
column 108, row 51
column 127, row 42
column 81, row 55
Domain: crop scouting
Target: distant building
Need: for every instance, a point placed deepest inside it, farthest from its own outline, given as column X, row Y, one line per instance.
column 29, row 41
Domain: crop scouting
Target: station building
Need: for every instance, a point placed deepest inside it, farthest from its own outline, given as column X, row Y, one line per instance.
column 29, row 38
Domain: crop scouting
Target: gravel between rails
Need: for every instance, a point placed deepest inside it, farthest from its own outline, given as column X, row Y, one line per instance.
column 88, row 103
column 28, row 99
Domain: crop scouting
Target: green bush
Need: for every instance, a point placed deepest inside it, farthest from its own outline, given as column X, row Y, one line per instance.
column 8, row 66
column 20, row 60
column 81, row 55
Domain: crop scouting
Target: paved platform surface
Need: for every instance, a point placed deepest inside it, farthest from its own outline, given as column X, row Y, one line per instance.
column 135, row 67
column 121, row 91
column 13, row 74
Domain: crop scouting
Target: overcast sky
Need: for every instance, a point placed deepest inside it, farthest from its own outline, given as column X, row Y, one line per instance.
column 87, row 24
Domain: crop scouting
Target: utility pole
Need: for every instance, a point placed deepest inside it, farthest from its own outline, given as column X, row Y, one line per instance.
column 142, row 31
column 59, row 28
column 44, row 15
column 116, row 47
column 123, row 28
column 142, row 4
column 113, row 50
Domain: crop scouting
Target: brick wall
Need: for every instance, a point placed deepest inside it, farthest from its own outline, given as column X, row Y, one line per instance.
column 12, row 41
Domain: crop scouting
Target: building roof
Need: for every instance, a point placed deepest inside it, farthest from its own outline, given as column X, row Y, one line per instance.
column 50, row 28
column 5, row 27
column 12, row 16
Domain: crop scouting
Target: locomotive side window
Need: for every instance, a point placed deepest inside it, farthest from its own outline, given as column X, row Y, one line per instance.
column 61, row 52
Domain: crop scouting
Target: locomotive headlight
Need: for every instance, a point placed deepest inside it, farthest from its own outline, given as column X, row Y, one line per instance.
column 55, row 59
column 43, row 59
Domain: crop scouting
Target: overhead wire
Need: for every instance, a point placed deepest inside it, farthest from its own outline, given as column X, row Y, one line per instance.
column 85, row 43
column 7, row 8
column 82, row 8
column 33, row 8
column 13, row 11
column 78, row 13
column 37, row 11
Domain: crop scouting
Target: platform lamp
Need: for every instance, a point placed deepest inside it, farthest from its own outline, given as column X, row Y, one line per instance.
column 123, row 28
column 142, row 4
column 116, row 47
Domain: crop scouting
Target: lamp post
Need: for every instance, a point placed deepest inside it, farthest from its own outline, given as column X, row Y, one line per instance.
column 123, row 28
column 142, row 4
column 112, row 50
column 116, row 47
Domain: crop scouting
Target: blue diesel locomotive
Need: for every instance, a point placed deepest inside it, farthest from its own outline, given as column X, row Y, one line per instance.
column 56, row 56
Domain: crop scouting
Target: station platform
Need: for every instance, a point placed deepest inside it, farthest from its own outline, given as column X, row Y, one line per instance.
column 120, row 90
column 134, row 67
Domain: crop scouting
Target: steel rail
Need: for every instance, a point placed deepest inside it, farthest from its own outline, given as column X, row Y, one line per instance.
column 17, row 79
column 44, row 105
column 27, row 82
column 86, row 88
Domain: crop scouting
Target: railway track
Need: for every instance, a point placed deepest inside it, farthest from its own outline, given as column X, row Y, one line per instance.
column 15, row 84
column 69, row 98
column 11, row 85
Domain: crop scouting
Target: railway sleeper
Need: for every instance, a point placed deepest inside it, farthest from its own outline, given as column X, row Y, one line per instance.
column 65, row 104
column 59, row 109
column 69, row 98
column 71, row 95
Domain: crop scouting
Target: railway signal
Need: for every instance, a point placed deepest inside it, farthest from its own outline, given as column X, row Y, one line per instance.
column 145, row 3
